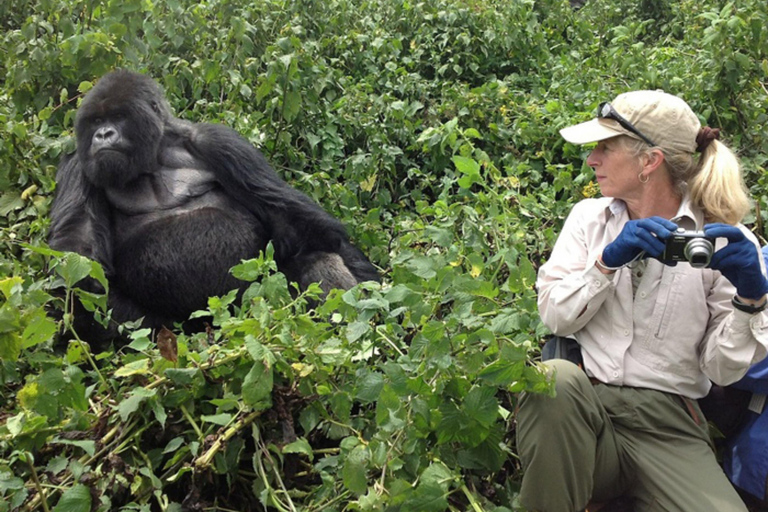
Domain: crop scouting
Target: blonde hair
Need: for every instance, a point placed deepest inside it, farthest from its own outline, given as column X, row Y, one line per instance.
column 714, row 181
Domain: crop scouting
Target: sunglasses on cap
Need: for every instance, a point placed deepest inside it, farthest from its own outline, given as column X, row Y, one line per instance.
column 606, row 111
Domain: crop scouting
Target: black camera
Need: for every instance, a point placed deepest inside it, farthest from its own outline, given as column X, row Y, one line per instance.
column 692, row 246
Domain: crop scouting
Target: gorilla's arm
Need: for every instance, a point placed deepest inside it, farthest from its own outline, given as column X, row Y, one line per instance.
column 80, row 215
column 80, row 222
column 310, row 245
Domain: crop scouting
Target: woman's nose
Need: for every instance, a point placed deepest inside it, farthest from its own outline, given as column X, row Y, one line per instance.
column 592, row 159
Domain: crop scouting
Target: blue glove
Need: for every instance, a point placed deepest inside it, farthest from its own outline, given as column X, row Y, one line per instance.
column 638, row 235
column 739, row 261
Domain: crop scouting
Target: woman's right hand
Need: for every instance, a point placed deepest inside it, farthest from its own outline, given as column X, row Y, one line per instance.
column 647, row 235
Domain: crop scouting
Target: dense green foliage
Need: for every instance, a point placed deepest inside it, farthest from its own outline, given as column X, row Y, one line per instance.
column 431, row 129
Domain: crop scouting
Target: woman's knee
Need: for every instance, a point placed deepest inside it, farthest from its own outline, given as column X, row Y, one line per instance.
column 571, row 384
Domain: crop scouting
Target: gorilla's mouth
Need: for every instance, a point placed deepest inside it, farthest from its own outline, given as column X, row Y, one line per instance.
column 110, row 168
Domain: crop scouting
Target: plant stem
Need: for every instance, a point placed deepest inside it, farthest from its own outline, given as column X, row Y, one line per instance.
column 192, row 422
column 43, row 499
column 205, row 460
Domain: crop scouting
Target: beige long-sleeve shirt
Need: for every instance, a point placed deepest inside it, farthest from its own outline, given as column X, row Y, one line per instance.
column 674, row 332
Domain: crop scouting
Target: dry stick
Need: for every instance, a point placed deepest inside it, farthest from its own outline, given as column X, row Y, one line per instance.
column 109, row 438
column 205, row 460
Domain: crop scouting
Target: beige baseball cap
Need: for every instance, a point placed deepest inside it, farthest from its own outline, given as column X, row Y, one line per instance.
column 663, row 118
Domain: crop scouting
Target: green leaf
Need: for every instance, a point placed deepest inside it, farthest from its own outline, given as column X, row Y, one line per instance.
column 466, row 165
column 257, row 386
column 10, row 202
column 139, row 367
column 182, row 376
column 222, row 419
column 481, row 405
column 357, row 330
column 502, row 373
column 132, row 403
column 369, row 387
column 10, row 286
column 292, row 105
column 73, row 268
column 57, row 464
column 40, row 328
column 301, row 445
column 428, row 497
column 10, row 346
column 354, row 472
column 88, row 447
column 174, row 444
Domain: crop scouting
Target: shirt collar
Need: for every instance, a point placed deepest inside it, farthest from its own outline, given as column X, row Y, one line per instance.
column 687, row 216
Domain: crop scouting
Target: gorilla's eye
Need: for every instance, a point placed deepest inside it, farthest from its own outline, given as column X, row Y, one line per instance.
column 155, row 107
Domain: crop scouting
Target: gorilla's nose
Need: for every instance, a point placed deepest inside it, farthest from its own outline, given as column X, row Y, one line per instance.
column 106, row 136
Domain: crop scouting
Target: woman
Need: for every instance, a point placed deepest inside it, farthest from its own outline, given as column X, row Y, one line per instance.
column 653, row 332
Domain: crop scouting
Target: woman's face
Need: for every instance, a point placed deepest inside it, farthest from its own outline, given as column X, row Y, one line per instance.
column 616, row 169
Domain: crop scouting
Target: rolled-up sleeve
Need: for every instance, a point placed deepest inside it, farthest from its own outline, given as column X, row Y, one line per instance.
column 735, row 340
column 571, row 289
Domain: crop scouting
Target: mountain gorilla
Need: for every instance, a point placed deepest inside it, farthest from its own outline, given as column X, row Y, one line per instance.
column 169, row 206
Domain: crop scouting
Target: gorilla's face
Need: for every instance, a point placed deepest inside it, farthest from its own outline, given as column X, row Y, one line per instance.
column 119, row 127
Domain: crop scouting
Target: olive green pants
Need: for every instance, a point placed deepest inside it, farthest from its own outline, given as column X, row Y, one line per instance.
column 597, row 442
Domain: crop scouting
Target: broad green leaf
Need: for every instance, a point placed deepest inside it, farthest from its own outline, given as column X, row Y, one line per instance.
column 292, row 105
column 218, row 419
column 9, row 202
column 138, row 367
column 354, row 471
column 73, row 268
column 131, row 404
column 10, row 285
column 428, row 497
column 369, row 387
column 481, row 405
column 88, row 447
column 466, row 165
column 174, row 444
column 10, row 346
column 40, row 328
column 257, row 386
column 301, row 445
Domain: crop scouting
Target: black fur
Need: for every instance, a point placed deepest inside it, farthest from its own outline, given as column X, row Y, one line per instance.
column 168, row 207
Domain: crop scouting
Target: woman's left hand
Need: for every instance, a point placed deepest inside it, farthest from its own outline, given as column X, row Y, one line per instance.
column 739, row 261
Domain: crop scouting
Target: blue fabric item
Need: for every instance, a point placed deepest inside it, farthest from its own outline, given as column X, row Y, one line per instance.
column 745, row 459
column 739, row 261
column 636, row 236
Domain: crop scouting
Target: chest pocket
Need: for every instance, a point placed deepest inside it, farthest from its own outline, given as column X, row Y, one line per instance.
column 676, row 322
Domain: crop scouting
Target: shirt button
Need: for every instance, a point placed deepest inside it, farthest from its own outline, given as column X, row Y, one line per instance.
column 642, row 295
column 615, row 375
column 596, row 284
column 626, row 332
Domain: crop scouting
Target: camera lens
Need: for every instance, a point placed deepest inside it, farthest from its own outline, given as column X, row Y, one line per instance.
column 698, row 252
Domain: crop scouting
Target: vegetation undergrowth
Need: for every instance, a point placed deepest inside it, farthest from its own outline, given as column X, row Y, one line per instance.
column 431, row 130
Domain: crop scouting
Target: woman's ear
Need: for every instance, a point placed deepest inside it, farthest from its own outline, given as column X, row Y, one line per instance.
column 652, row 160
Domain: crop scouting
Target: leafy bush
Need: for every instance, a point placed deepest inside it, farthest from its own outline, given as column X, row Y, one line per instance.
column 431, row 129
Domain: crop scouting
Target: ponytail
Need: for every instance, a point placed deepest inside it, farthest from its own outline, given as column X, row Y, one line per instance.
column 717, row 186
